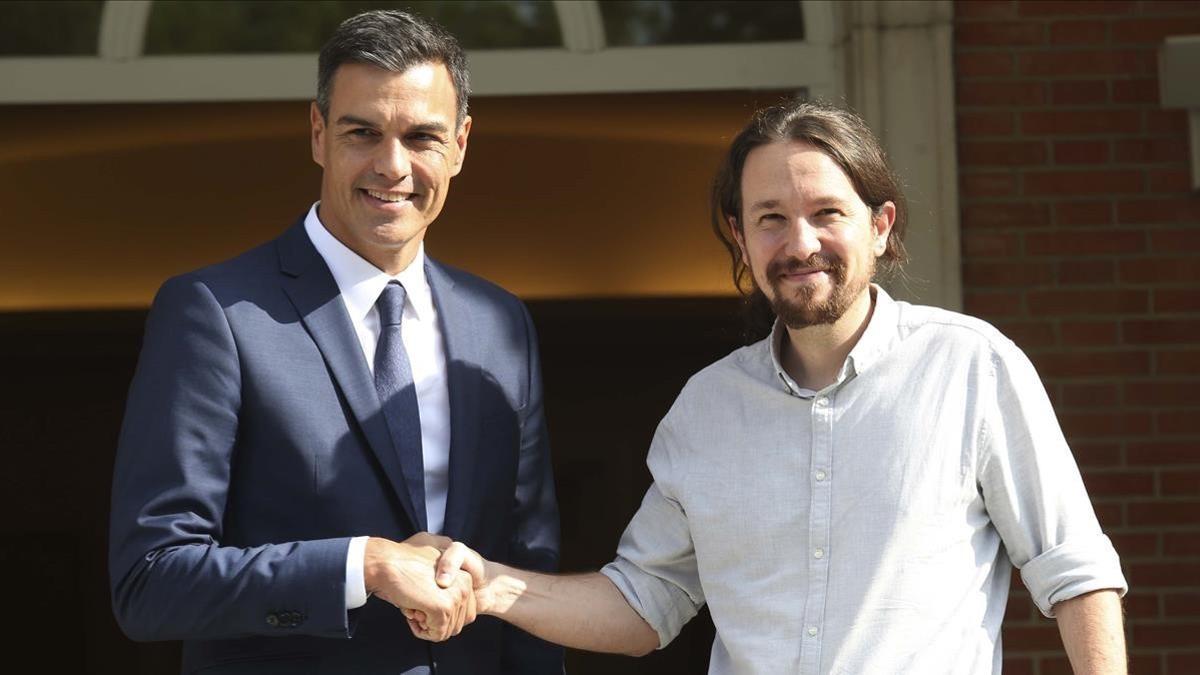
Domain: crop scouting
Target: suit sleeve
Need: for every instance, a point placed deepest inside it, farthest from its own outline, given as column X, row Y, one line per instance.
column 535, row 542
column 171, row 577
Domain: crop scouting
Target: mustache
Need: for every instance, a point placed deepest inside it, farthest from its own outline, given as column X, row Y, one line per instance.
column 815, row 261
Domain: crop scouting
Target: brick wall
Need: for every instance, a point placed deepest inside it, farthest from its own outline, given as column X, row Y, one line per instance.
column 1081, row 241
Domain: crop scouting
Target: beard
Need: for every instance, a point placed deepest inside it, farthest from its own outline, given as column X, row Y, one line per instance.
column 798, row 307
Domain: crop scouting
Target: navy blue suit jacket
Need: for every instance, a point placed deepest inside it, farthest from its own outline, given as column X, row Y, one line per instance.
column 253, row 449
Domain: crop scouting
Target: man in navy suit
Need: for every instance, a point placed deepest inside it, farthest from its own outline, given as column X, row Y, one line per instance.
column 302, row 413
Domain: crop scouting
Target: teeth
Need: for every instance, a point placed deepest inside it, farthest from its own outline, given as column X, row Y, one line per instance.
column 388, row 196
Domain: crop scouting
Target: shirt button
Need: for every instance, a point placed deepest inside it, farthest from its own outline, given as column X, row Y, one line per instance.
column 812, row 631
column 819, row 553
column 822, row 401
column 821, row 475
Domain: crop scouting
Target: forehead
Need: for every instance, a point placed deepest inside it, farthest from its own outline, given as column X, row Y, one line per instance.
column 425, row 90
column 786, row 169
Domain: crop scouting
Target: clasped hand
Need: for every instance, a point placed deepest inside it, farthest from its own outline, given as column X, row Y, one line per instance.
column 430, row 578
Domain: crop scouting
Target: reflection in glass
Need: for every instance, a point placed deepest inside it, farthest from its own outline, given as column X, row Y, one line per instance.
column 248, row 27
column 50, row 28
column 629, row 23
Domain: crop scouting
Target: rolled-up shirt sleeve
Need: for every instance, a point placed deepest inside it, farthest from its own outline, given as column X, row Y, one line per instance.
column 655, row 568
column 1034, row 493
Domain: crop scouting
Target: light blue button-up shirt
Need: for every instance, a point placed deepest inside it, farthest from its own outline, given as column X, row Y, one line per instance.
column 867, row 527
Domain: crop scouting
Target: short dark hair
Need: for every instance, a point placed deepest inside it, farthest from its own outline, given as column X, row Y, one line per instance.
column 395, row 41
column 837, row 132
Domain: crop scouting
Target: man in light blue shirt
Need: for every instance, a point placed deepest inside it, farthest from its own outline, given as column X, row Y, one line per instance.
column 846, row 495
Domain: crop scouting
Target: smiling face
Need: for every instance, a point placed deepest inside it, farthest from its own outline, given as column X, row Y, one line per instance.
column 808, row 238
column 388, row 149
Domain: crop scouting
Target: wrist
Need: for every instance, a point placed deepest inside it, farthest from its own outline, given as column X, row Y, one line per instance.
column 499, row 591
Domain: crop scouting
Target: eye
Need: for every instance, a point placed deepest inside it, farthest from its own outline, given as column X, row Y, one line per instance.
column 362, row 132
column 829, row 211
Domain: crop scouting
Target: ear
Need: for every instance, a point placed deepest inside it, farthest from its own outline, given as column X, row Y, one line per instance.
column 738, row 236
column 881, row 227
column 318, row 134
column 460, row 141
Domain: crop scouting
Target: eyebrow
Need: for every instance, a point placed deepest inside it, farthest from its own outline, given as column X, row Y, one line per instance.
column 764, row 205
column 351, row 120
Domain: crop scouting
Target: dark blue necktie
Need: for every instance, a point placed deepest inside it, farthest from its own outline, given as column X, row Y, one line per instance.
column 398, row 395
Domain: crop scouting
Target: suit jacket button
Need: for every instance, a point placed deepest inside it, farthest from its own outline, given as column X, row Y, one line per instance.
column 272, row 620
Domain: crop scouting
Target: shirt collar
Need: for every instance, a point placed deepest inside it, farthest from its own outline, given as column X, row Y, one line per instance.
column 360, row 282
column 874, row 343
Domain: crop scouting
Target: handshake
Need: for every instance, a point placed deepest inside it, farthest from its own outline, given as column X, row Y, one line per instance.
column 439, row 584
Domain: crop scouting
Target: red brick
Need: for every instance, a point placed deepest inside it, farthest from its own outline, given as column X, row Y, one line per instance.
column 1159, row 332
column 1086, row 271
column 1110, row 514
column 1088, row 333
column 1016, row 665
column 1031, row 638
column 1083, row 213
column 999, row 33
column 988, row 184
column 1085, row 242
column 1164, row 573
column 1135, row 544
column 1142, row 606
column 1181, row 605
column 1178, row 421
column 1164, row 453
column 1029, row 334
column 985, row 123
column 1150, row 7
column 1092, row 364
column 983, row 64
column 1150, row 150
column 1004, row 153
column 992, row 304
column 1135, row 91
column 1119, row 484
column 1054, row 665
column 1181, row 543
column 1020, row 608
column 1181, row 483
column 1160, row 393
column 1085, row 62
column 1007, row 274
column 1104, row 424
column 1022, row 214
column 1177, row 300
column 1158, row 210
column 1081, row 152
column 1081, row 122
column 1160, row 270
column 1079, row 92
column 1176, row 241
column 1152, row 31
column 1083, row 182
column 978, row 243
column 1073, row 7
column 1170, row 180
column 1091, row 302
column 1145, row 664
column 1078, row 32
column 1175, row 634
column 984, row 9
column 1182, row 362
column 1096, row 453
column 1167, row 122
column 1177, row 663
column 1001, row 93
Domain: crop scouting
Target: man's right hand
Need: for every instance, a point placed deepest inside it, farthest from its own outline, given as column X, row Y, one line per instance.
column 403, row 575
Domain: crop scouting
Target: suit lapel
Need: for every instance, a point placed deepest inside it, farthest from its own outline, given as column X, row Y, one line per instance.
column 462, row 380
column 314, row 293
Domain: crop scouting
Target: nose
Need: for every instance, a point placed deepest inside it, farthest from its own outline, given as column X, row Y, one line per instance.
column 801, row 239
column 392, row 160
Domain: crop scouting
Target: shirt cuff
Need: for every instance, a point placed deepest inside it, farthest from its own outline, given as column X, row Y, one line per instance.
column 664, row 606
column 356, row 587
column 1071, row 569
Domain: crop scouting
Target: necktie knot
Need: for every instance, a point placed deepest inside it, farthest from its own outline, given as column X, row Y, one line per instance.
column 391, row 304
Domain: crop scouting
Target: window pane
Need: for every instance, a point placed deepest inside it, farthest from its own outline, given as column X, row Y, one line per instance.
column 49, row 28
column 649, row 22
column 248, row 27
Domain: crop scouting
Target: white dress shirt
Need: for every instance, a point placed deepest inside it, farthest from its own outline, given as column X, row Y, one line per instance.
column 360, row 284
column 866, row 527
